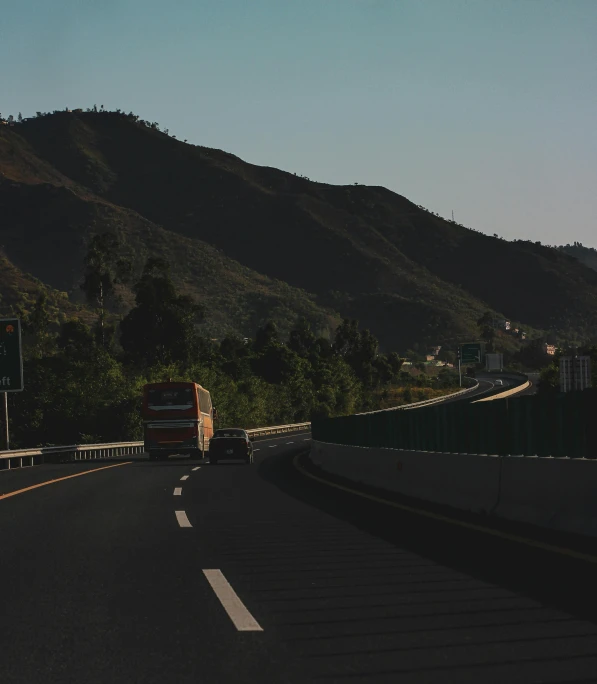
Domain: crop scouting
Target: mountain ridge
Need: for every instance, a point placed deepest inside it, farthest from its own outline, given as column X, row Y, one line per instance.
column 307, row 247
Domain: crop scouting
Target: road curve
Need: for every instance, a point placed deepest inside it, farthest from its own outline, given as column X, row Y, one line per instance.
column 259, row 574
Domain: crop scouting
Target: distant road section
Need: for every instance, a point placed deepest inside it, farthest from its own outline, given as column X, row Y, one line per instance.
column 484, row 387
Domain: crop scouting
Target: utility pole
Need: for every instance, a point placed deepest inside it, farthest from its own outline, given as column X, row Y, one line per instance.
column 7, row 432
column 459, row 367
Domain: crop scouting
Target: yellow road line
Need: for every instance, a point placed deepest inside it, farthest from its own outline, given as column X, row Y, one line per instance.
column 60, row 479
column 506, row 393
column 452, row 521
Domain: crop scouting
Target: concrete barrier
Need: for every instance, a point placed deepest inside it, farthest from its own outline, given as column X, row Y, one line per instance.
column 507, row 393
column 554, row 493
column 557, row 493
column 464, row 481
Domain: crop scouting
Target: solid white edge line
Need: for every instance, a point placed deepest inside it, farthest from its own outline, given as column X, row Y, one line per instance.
column 177, row 491
column 237, row 612
column 183, row 521
column 184, row 477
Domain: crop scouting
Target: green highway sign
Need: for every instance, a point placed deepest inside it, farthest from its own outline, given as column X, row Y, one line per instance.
column 11, row 357
column 472, row 352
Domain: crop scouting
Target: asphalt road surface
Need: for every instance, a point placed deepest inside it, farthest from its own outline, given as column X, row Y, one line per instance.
column 261, row 574
column 484, row 387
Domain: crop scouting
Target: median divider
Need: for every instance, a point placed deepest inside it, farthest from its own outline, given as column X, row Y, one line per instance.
column 553, row 493
column 464, row 481
column 557, row 493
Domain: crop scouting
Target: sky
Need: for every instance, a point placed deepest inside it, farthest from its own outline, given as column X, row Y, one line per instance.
column 487, row 108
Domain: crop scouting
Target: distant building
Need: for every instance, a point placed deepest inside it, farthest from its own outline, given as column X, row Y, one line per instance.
column 549, row 349
column 430, row 357
column 77, row 111
column 575, row 373
column 434, row 351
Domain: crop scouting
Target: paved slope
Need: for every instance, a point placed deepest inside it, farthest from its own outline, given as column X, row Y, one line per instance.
column 105, row 586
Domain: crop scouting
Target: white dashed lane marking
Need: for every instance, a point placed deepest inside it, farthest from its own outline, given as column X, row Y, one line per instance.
column 184, row 477
column 197, row 468
column 237, row 612
column 177, row 491
column 183, row 521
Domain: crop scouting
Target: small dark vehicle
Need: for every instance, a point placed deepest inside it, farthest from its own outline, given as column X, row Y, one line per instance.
column 232, row 443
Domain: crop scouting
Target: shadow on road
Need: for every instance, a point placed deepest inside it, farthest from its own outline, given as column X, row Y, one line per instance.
column 555, row 580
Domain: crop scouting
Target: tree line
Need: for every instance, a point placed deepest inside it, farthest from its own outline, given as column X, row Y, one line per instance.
column 83, row 382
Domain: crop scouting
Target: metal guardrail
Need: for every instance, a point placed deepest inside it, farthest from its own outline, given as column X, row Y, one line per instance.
column 20, row 458
column 425, row 402
column 278, row 429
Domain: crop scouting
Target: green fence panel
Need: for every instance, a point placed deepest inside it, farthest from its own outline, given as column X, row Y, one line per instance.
column 553, row 425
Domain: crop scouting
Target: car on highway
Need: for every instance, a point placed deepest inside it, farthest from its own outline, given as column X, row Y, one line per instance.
column 230, row 443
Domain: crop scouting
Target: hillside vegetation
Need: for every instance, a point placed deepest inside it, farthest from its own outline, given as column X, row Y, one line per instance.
column 586, row 255
column 83, row 384
column 253, row 243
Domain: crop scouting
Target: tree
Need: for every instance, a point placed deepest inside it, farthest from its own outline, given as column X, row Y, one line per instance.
column 486, row 319
column 104, row 269
column 267, row 336
column 11, row 118
column 278, row 364
column 38, row 337
column 358, row 348
column 161, row 327
column 447, row 356
column 301, row 339
column 488, row 334
column 76, row 340
column 20, row 117
column 346, row 338
column 549, row 380
column 387, row 367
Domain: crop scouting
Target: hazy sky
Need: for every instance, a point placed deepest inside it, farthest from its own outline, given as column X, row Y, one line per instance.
column 484, row 107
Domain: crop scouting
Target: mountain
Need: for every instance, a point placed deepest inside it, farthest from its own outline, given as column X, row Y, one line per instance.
column 586, row 255
column 252, row 242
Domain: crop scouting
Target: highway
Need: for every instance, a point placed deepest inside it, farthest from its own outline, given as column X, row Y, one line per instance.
column 262, row 574
column 485, row 385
